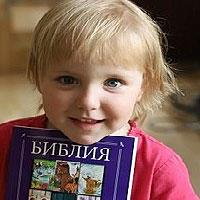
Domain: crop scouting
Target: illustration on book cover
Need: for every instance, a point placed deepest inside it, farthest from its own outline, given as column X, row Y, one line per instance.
column 65, row 179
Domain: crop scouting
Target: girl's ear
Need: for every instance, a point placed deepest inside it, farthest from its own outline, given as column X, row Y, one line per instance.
column 139, row 95
column 39, row 90
column 39, row 87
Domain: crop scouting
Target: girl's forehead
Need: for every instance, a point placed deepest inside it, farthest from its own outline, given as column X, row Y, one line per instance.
column 91, row 64
column 96, row 69
column 116, row 61
column 123, row 51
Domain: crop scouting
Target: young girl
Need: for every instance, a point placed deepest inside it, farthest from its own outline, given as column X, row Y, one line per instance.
column 99, row 66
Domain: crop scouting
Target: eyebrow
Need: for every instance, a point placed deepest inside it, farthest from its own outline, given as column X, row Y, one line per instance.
column 65, row 72
column 121, row 73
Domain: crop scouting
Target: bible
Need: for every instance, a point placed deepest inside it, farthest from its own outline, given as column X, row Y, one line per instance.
column 46, row 165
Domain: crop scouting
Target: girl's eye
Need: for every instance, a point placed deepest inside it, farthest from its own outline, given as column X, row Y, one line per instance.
column 113, row 83
column 67, row 80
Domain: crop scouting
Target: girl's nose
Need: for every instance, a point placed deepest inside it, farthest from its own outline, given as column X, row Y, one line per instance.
column 88, row 99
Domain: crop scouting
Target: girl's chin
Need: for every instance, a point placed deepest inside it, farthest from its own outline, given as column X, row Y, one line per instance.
column 87, row 140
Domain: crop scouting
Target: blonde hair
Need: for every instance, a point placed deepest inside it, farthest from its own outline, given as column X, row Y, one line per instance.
column 114, row 32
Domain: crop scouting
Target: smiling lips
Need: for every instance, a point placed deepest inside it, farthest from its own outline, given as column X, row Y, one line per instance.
column 86, row 123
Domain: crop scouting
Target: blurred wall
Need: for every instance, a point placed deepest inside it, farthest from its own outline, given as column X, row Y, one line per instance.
column 17, row 22
column 180, row 21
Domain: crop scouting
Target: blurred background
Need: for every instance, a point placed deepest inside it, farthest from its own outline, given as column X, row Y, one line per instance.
column 177, row 124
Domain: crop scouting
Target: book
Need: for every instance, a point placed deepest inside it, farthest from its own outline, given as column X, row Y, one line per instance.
column 45, row 165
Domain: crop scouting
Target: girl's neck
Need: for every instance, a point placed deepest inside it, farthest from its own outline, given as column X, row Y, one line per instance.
column 122, row 131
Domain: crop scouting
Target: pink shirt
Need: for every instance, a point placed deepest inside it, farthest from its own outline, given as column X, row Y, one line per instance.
column 160, row 174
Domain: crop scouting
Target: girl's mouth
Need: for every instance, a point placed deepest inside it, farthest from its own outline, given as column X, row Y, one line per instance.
column 86, row 123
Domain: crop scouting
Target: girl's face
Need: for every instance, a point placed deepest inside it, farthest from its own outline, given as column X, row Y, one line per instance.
column 89, row 102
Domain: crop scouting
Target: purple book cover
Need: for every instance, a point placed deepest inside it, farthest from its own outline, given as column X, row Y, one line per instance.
column 45, row 165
